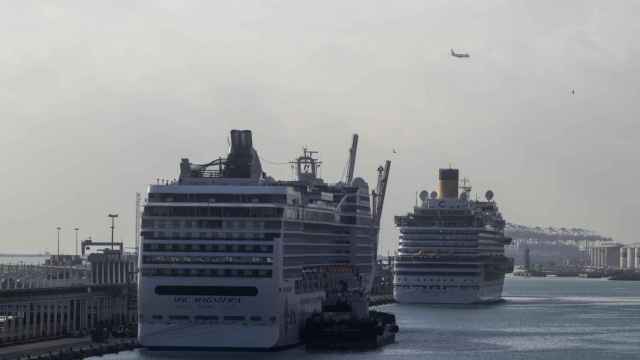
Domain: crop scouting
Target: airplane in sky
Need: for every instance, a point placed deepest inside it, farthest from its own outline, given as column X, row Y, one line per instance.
column 459, row 55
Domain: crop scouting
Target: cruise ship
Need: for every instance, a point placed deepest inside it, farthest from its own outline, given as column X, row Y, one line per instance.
column 451, row 248
column 234, row 259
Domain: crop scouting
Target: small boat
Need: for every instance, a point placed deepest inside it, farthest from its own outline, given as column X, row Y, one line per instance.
column 349, row 326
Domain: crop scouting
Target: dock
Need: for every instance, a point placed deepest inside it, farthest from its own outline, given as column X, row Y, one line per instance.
column 65, row 349
column 62, row 303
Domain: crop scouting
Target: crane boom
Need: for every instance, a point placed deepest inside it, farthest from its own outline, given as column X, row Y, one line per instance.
column 377, row 199
column 383, row 178
column 352, row 158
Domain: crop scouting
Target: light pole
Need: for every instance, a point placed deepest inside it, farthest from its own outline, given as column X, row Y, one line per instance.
column 58, row 228
column 113, row 226
column 76, row 229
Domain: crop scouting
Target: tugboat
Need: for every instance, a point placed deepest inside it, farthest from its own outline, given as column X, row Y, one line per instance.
column 346, row 323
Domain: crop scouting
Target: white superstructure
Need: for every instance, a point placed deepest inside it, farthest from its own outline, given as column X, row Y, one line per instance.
column 451, row 248
column 233, row 259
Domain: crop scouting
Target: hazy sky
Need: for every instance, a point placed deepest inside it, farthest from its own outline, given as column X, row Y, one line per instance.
column 98, row 99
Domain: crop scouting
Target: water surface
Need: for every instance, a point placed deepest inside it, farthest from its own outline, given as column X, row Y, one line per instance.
column 552, row 318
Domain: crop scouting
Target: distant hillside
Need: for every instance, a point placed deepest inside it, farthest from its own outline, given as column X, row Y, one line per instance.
column 516, row 231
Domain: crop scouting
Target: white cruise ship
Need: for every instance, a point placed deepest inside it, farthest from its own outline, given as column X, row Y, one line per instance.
column 451, row 248
column 233, row 259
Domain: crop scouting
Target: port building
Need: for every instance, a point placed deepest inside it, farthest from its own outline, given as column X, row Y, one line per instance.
column 630, row 257
column 45, row 302
column 606, row 256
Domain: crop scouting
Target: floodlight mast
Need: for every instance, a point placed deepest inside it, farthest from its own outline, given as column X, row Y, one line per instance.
column 113, row 226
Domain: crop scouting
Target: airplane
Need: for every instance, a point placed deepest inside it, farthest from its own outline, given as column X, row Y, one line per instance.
column 459, row 55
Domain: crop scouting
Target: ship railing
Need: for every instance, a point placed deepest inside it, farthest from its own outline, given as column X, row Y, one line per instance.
column 210, row 173
column 458, row 258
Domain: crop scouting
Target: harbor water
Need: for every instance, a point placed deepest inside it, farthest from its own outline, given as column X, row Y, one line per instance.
column 542, row 318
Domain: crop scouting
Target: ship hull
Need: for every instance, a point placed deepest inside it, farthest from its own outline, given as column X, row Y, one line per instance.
column 413, row 292
column 269, row 321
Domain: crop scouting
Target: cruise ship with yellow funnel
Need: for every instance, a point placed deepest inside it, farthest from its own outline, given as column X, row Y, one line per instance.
column 451, row 248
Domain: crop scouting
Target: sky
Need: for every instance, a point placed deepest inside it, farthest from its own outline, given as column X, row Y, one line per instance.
column 99, row 99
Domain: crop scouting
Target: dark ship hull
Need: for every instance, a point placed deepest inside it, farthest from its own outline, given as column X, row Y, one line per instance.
column 329, row 331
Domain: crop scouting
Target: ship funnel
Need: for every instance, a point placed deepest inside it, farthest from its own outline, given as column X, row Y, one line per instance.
column 243, row 160
column 448, row 184
column 241, row 141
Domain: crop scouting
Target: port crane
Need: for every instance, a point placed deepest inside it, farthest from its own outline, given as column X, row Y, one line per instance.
column 352, row 158
column 377, row 199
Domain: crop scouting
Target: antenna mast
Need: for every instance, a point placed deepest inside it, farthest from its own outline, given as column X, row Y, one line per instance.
column 465, row 185
column 307, row 166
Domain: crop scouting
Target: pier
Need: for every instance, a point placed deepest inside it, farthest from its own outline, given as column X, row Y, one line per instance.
column 48, row 302
column 65, row 349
